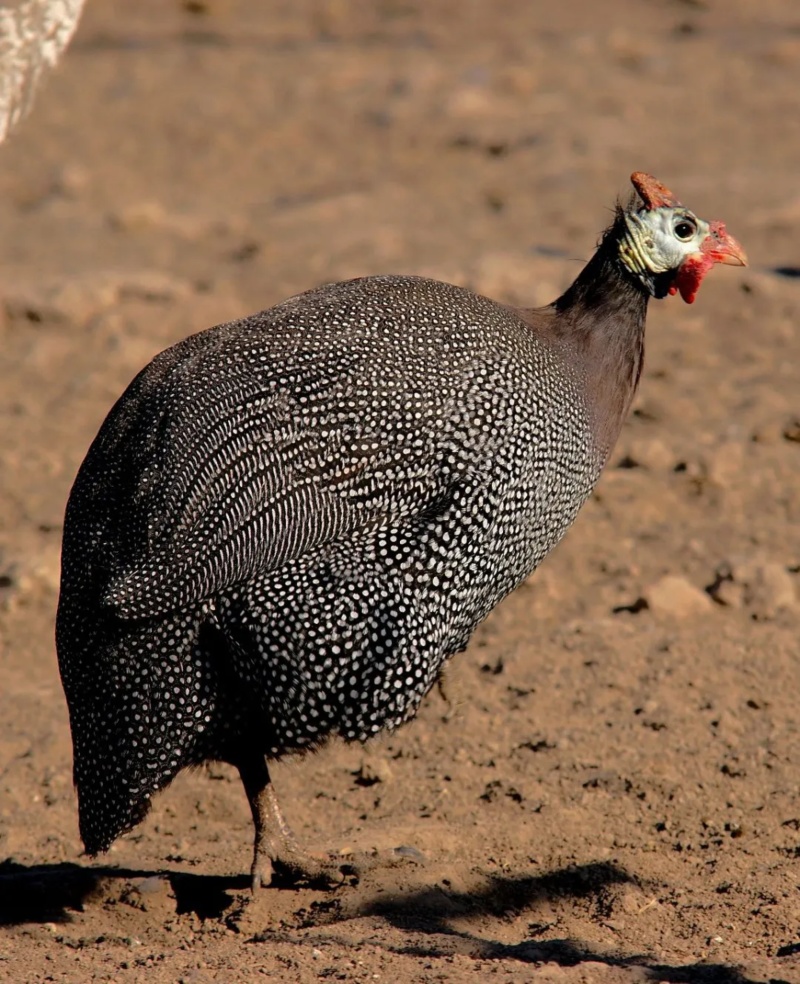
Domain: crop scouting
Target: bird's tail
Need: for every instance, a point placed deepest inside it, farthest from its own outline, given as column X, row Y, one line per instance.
column 142, row 696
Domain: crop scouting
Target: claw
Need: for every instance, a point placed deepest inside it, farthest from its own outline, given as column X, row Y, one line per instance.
column 277, row 857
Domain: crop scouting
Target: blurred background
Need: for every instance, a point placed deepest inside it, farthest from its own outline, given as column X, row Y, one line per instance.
column 191, row 162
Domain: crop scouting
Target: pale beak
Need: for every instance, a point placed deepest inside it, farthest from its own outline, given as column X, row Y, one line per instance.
column 722, row 247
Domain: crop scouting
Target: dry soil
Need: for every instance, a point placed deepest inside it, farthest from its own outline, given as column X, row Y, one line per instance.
column 615, row 796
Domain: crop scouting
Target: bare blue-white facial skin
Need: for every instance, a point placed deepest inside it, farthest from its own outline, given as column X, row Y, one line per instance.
column 661, row 239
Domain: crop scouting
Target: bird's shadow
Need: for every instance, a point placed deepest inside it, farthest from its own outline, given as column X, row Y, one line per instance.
column 52, row 893
column 427, row 913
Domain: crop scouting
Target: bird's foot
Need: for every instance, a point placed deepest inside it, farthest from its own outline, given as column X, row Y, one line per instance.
column 292, row 866
column 261, row 873
column 327, row 873
column 277, row 857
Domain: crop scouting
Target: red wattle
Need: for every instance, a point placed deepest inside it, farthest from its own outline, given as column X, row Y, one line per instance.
column 690, row 275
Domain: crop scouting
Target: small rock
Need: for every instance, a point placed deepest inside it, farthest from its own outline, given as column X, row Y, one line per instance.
column 629, row 48
column 409, row 853
column 149, row 894
column 726, row 463
column 152, row 285
column 791, row 432
column 79, row 300
column 74, row 301
column 633, row 901
column 469, row 101
column 649, row 453
column 725, row 591
column 151, row 884
column 675, row 597
column 221, row 771
column 72, row 180
column 518, row 80
column 373, row 769
column 768, row 431
column 648, row 410
column 786, row 51
column 152, row 215
column 765, row 283
column 764, row 588
column 769, row 589
column 139, row 215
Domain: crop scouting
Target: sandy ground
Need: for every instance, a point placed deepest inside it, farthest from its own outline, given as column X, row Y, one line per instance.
column 615, row 798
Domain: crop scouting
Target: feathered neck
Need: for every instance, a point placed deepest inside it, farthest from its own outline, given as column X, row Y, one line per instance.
column 611, row 267
column 599, row 324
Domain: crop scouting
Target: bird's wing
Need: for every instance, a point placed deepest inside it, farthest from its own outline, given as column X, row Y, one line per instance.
column 252, row 471
column 33, row 34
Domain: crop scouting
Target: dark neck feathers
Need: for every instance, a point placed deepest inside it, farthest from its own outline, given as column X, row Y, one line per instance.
column 598, row 323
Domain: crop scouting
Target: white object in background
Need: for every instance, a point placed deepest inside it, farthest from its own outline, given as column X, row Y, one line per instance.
column 33, row 35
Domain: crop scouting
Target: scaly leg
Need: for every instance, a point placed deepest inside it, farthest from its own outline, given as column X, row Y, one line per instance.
column 276, row 852
column 444, row 692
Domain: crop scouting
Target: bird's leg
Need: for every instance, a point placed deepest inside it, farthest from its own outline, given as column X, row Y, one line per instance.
column 276, row 852
column 267, row 819
column 444, row 692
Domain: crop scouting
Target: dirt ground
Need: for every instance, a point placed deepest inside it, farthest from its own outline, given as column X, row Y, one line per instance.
column 616, row 796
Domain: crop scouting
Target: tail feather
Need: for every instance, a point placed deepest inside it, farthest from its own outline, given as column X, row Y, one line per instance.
column 142, row 699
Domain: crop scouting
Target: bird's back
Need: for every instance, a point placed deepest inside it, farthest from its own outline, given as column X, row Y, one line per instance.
column 352, row 405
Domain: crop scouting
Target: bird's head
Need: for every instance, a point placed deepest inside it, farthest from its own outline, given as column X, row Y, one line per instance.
column 666, row 246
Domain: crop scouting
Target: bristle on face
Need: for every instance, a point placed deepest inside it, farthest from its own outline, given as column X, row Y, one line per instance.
column 652, row 192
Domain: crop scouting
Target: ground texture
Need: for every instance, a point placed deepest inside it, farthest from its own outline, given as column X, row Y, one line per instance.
column 615, row 797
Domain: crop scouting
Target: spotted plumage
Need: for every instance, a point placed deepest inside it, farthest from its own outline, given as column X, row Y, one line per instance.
column 288, row 523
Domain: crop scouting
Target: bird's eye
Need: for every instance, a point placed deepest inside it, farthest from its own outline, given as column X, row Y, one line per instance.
column 685, row 229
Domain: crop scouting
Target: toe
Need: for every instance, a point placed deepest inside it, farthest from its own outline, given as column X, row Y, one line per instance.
column 262, row 874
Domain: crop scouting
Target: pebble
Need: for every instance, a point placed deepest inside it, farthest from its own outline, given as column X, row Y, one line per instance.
column 151, row 884
column 675, row 597
column 152, row 285
column 767, row 588
column 409, row 853
column 34, row 573
column 518, row 80
column 649, row 453
column 468, row 101
column 72, row 180
column 373, row 769
column 726, row 464
column 785, row 51
column 764, row 588
column 74, row 301
column 152, row 215
column 767, row 431
column 77, row 301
